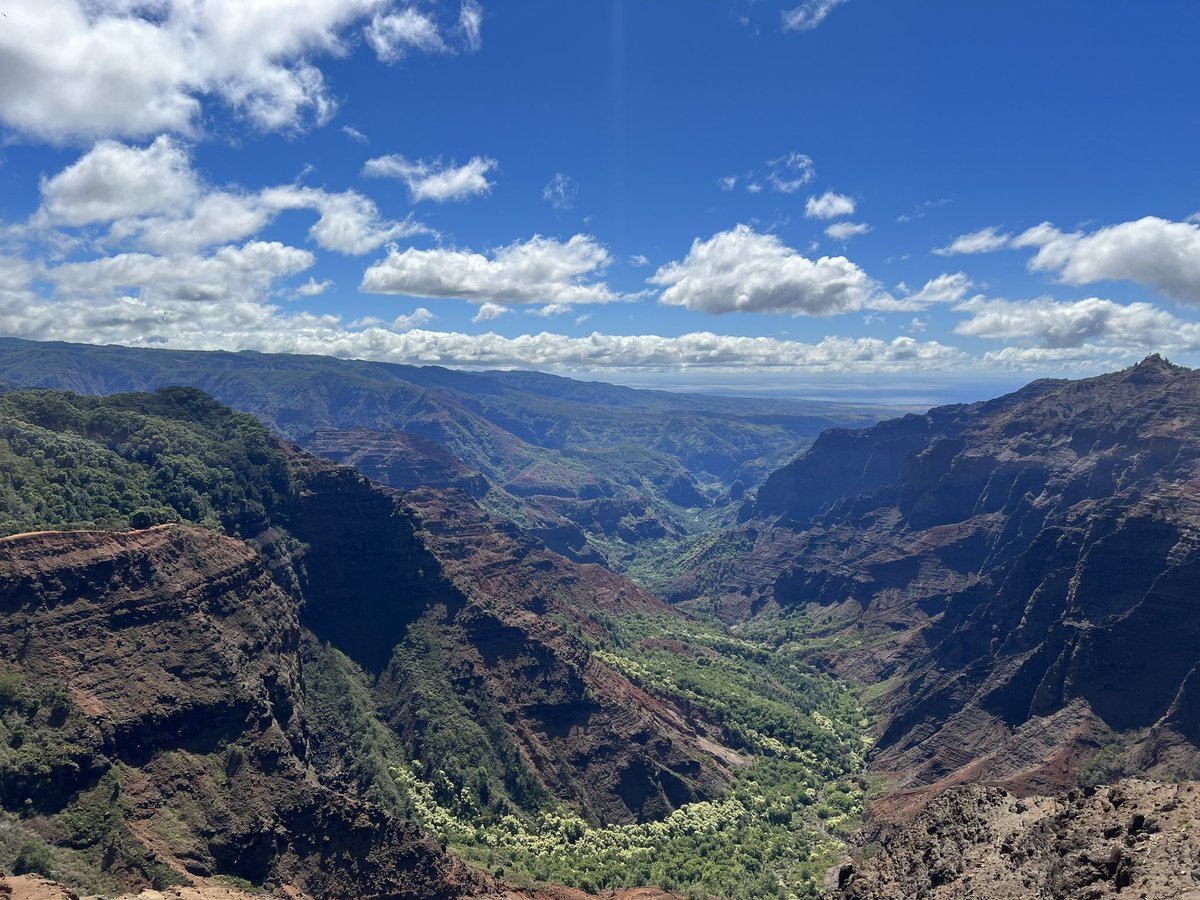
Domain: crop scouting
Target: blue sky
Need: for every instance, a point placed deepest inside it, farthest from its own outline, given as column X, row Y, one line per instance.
column 830, row 197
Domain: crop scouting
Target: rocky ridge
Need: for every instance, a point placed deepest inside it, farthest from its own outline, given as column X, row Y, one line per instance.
column 1016, row 576
column 1131, row 839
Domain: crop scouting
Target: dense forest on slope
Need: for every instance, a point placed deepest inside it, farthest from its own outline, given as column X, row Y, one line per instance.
column 598, row 472
column 542, row 718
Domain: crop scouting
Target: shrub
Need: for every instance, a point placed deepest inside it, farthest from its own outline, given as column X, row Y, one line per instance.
column 34, row 858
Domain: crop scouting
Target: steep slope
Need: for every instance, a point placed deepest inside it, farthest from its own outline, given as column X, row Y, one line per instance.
column 605, row 473
column 153, row 716
column 1017, row 577
column 422, row 663
column 366, row 570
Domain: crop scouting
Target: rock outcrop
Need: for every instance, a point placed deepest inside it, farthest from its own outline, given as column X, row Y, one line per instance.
column 1130, row 839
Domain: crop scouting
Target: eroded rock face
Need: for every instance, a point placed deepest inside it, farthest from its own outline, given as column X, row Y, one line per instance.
column 397, row 459
column 1021, row 573
column 1134, row 838
column 179, row 657
column 618, row 752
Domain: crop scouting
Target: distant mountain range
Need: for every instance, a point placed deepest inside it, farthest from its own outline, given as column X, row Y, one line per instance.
column 598, row 472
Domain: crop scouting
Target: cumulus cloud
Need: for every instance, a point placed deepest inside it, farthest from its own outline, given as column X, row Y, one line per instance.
column 744, row 271
column 231, row 273
column 93, row 68
column 1086, row 359
column 313, row 288
column 809, row 14
column 1155, row 252
column 355, row 135
column 1073, row 324
column 829, row 205
column 844, row 231
column 239, row 324
column 153, row 198
column 435, row 180
column 416, row 319
column 945, row 288
column 348, row 223
column 985, row 240
column 491, row 311
column 113, row 181
column 560, row 191
column 77, row 68
column 538, row 271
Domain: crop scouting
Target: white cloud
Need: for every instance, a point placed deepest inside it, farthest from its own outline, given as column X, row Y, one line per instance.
column 393, row 34
column 560, row 191
column 1087, row 359
column 355, row 135
column 491, row 311
column 639, row 260
column 153, row 198
column 1072, row 324
column 829, row 205
column 117, row 67
column 113, row 181
column 435, row 180
column 844, row 231
column 809, row 14
column 349, row 222
column 744, row 271
column 1155, row 252
column 418, row 318
column 790, row 172
column 229, row 274
column 215, row 218
column 549, row 310
column 728, row 183
column 313, row 288
column 135, row 68
column 538, row 271
column 470, row 24
column 945, row 288
column 241, row 324
column 985, row 240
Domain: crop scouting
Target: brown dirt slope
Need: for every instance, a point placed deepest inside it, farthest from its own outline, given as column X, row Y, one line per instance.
column 1132, row 839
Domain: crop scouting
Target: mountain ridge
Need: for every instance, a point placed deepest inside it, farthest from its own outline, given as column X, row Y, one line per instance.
column 1011, row 575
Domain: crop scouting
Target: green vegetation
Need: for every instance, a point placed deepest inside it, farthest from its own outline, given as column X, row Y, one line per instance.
column 134, row 460
column 45, row 742
column 467, row 756
column 34, row 858
column 86, row 844
column 795, row 793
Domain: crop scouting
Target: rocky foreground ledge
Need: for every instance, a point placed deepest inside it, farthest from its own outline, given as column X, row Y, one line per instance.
column 1136, row 839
